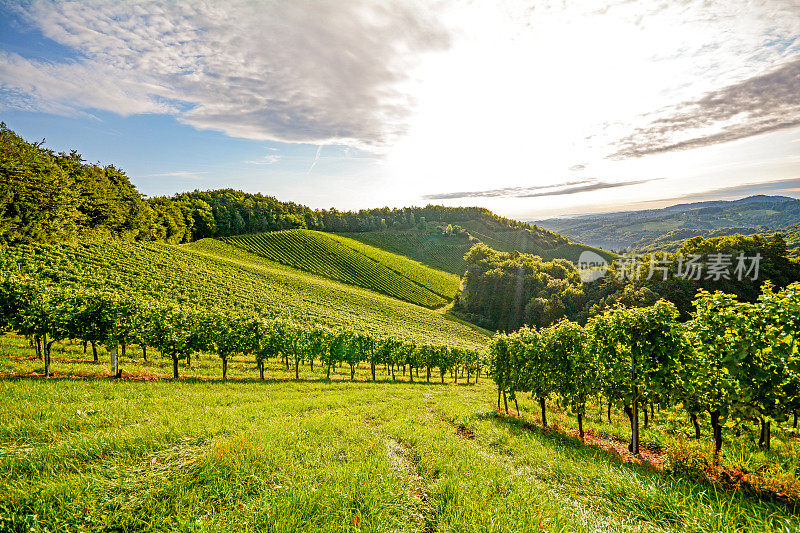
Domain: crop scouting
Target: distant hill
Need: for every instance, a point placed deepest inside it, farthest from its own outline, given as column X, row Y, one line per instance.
column 353, row 262
column 667, row 228
column 439, row 249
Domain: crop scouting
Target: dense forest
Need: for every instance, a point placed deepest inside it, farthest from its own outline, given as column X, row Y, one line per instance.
column 505, row 291
column 55, row 197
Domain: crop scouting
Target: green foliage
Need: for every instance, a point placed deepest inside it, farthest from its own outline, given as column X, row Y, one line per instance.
column 178, row 332
column 437, row 250
column 91, row 201
column 734, row 360
column 512, row 289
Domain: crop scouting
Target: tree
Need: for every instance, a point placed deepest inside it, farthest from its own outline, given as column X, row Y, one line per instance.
column 41, row 311
column 720, row 341
column 534, row 358
column 317, row 343
column 782, row 316
column 769, row 370
column 262, row 340
column 352, row 352
column 337, row 348
column 509, row 290
column 500, row 364
column 386, row 351
column 296, row 343
column 368, row 347
column 124, row 323
column 408, row 356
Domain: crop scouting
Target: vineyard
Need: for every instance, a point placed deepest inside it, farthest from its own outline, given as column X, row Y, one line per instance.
column 354, row 263
column 446, row 252
column 47, row 314
column 381, row 407
column 215, row 275
column 736, row 362
column 384, row 428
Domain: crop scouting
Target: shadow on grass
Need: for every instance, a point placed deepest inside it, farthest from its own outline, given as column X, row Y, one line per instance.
column 556, row 437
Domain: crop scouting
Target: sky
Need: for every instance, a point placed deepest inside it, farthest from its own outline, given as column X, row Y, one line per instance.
column 530, row 108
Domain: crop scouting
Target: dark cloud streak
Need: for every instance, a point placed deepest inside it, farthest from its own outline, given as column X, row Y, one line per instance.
column 761, row 104
column 561, row 189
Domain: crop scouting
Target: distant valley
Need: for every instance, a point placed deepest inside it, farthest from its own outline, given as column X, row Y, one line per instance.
column 668, row 228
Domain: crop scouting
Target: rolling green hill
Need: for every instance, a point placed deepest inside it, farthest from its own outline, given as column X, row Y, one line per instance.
column 216, row 274
column 524, row 241
column 443, row 252
column 446, row 252
column 646, row 229
column 355, row 263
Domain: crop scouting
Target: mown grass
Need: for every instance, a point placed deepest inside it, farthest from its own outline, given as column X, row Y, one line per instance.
column 203, row 455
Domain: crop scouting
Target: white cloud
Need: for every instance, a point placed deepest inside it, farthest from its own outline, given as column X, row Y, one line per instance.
column 532, row 89
column 524, row 94
column 321, row 72
column 266, row 160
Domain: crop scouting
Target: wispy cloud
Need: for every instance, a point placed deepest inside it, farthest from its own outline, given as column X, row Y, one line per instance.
column 561, row 189
column 318, row 72
column 316, row 158
column 757, row 105
column 266, row 160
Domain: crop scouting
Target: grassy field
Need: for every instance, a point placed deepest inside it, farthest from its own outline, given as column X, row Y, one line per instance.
column 447, row 252
column 355, row 263
column 442, row 252
column 310, row 455
column 509, row 240
column 212, row 273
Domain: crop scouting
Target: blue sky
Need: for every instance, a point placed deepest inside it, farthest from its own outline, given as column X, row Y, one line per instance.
column 530, row 111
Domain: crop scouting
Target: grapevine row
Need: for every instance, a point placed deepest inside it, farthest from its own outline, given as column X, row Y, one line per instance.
column 47, row 314
column 734, row 360
column 320, row 254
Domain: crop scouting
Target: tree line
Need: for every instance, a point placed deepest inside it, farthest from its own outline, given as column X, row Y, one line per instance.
column 735, row 361
column 505, row 291
column 52, row 197
column 47, row 313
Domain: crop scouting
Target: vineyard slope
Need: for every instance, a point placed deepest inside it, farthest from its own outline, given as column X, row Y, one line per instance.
column 355, row 263
column 216, row 274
